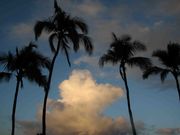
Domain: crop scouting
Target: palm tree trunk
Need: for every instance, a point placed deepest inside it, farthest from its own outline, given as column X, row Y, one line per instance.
column 47, row 90
column 177, row 85
column 129, row 103
column 14, row 106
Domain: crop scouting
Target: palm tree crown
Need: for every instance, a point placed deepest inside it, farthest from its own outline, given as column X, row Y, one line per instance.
column 122, row 51
column 170, row 63
column 25, row 63
column 65, row 30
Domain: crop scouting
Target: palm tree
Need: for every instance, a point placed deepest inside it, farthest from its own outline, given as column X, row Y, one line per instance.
column 24, row 64
column 66, row 30
column 122, row 52
column 170, row 60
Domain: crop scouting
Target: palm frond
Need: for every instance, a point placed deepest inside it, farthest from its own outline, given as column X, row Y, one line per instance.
column 170, row 57
column 87, row 43
column 48, row 26
column 116, row 43
column 35, row 75
column 8, row 61
column 41, row 60
column 110, row 57
column 79, row 23
column 162, row 56
column 65, row 48
column 56, row 7
column 138, row 46
column 152, row 71
column 17, row 51
column 125, row 47
column 21, row 83
column 72, row 35
column 103, row 60
column 52, row 37
column 141, row 62
column 164, row 74
column 55, row 4
column 173, row 49
column 25, row 50
column 5, row 76
column 4, row 58
column 30, row 57
column 120, row 50
column 114, row 36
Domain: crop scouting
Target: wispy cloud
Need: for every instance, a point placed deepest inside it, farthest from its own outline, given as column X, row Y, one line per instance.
column 22, row 31
column 93, row 61
column 92, row 8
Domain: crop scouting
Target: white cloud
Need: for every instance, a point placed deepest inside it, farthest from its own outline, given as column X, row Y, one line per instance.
column 82, row 90
column 80, row 108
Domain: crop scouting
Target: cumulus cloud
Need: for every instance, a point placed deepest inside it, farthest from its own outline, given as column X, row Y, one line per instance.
column 81, row 89
column 168, row 131
column 79, row 111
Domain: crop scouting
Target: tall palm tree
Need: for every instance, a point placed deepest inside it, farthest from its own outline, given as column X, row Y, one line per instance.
column 122, row 51
column 66, row 30
column 24, row 64
column 170, row 60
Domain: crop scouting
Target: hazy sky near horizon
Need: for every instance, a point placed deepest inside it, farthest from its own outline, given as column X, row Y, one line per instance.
column 155, row 105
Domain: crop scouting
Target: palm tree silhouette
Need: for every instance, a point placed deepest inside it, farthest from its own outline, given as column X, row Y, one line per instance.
column 24, row 64
column 66, row 31
column 170, row 60
column 122, row 52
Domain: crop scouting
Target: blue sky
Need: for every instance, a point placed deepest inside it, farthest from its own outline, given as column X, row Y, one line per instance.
column 154, row 22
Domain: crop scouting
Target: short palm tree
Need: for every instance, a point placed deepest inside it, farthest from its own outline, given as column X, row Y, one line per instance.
column 170, row 60
column 66, row 30
column 24, row 64
column 122, row 52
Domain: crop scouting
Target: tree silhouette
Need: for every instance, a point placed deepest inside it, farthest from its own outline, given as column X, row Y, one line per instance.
column 170, row 60
column 24, row 64
column 122, row 52
column 66, row 30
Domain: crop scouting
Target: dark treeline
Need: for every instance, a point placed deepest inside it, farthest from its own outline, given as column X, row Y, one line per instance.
column 66, row 32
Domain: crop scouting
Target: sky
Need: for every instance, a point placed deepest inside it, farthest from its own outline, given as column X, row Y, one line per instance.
column 87, row 99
